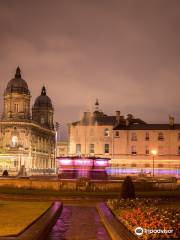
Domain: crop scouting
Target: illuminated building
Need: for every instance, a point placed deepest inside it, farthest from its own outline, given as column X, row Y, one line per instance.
column 128, row 142
column 26, row 140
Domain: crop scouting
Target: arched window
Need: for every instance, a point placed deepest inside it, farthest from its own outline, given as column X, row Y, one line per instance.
column 106, row 132
column 42, row 120
column 16, row 108
column 14, row 141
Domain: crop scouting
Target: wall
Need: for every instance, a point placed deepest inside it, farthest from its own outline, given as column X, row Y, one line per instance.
column 69, row 185
column 79, row 185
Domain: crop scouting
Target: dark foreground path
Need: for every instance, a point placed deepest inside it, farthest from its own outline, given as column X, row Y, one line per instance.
column 78, row 223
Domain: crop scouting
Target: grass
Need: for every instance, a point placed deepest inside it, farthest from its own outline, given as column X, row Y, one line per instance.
column 15, row 216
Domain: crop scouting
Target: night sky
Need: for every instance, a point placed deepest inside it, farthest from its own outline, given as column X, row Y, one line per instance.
column 125, row 53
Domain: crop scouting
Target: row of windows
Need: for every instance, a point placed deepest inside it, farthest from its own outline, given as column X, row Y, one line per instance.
column 92, row 148
column 133, row 135
column 146, row 165
column 17, row 108
column 147, row 150
column 106, row 132
column 133, row 149
column 147, row 138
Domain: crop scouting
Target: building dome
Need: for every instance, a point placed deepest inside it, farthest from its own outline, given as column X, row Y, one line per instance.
column 43, row 101
column 17, row 84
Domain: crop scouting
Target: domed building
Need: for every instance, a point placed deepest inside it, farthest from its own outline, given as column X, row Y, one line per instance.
column 26, row 140
column 17, row 98
column 42, row 111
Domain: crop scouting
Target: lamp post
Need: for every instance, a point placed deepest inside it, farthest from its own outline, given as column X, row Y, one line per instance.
column 154, row 153
column 57, row 125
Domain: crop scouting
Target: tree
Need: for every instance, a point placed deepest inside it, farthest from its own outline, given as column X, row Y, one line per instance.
column 128, row 190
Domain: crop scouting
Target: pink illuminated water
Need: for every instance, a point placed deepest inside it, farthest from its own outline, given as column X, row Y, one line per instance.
column 78, row 223
column 82, row 162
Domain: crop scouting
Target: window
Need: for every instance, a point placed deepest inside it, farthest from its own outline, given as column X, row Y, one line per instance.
column 16, row 107
column 147, row 150
column 106, row 148
column 178, row 136
column 133, row 137
column 147, row 136
column 179, row 150
column 161, row 150
column 78, row 149
column 14, row 141
column 42, row 120
column 160, row 136
column 133, row 150
column 106, row 132
column 116, row 133
column 91, row 148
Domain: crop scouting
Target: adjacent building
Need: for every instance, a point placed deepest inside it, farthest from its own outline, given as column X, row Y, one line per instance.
column 27, row 138
column 133, row 145
column 62, row 149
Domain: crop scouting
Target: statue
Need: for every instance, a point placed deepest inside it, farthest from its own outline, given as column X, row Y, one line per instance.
column 22, row 172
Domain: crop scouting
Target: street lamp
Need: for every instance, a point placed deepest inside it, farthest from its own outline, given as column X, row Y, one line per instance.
column 154, row 153
column 57, row 125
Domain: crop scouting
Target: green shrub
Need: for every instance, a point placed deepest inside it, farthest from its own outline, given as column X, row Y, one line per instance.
column 128, row 190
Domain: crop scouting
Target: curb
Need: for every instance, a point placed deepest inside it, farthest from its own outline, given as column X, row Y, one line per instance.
column 38, row 229
column 115, row 228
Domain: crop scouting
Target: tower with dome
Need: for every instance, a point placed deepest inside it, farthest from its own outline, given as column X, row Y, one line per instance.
column 27, row 138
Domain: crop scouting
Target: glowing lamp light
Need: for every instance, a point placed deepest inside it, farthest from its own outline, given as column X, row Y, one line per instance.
column 154, row 152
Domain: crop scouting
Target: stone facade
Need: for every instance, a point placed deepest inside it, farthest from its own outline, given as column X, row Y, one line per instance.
column 26, row 141
column 128, row 142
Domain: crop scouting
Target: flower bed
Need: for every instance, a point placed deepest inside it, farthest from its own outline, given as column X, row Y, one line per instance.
column 147, row 214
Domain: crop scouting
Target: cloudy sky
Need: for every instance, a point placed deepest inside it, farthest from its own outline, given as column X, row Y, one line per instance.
column 126, row 53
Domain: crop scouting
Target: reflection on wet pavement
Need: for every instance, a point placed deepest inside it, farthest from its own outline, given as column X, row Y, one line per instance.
column 78, row 223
